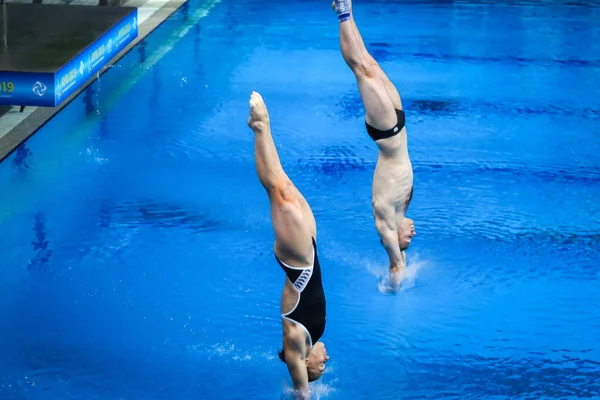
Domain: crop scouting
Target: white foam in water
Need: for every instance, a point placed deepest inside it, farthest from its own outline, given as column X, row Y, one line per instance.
column 92, row 154
column 317, row 390
column 378, row 266
column 230, row 351
column 414, row 265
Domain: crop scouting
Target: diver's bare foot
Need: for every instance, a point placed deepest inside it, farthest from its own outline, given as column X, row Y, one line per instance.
column 343, row 8
column 259, row 116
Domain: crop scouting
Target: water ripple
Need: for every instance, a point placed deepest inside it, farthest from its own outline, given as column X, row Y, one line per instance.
column 334, row 162
column 460, row 377
column 350, row 107
column 157, row 215
column 393, row 53
column 584, row 175
column 340, row 161
column 164, row 246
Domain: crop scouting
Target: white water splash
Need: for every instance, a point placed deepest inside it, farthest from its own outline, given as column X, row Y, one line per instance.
column 318, row 390
column 414, row 266
column 230, row 351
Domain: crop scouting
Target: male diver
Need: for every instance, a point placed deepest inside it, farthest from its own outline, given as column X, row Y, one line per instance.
column 303, row 300
column 393, row 177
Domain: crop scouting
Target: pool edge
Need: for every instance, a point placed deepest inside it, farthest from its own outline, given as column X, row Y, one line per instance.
column 37, row 117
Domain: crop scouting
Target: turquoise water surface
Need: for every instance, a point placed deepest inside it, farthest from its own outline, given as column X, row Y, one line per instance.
column 136, row 240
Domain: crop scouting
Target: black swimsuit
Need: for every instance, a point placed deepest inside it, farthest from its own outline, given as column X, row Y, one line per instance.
column 376, row 134
column 309, row 311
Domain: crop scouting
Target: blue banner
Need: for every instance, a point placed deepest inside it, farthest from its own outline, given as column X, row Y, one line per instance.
column 49, row 90
column 21, row 88
column 74, row 74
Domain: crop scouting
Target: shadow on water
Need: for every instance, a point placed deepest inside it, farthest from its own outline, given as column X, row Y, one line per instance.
column 574, row 242
column 350, row 107
column 111, row 224
column 21, row 161
column 156, row 215
column 338, row 164
column 335, row 163
column 92, row 108
column 40, row 246
column 384, row 52
column 88, row 101
column 142, row 51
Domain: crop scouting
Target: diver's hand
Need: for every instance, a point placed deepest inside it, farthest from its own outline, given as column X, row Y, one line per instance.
column 397, row 272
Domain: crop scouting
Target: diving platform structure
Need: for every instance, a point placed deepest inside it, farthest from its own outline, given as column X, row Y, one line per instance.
column 49, row 51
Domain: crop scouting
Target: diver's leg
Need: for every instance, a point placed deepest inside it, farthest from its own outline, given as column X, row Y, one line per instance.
column 268, row 166
column 292, row 218
column 373, row 84
column 389, row 86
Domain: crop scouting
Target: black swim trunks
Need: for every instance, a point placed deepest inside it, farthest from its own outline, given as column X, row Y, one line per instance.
column 376, row 134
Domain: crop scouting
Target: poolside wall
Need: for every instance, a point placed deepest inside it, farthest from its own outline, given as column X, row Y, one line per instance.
column 18, row 123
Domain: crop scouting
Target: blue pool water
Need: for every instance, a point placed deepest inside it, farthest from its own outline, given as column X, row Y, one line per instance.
column 136, row 241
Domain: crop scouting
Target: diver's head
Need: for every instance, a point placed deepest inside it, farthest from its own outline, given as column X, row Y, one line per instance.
column 315, row 362
column 406, row 233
